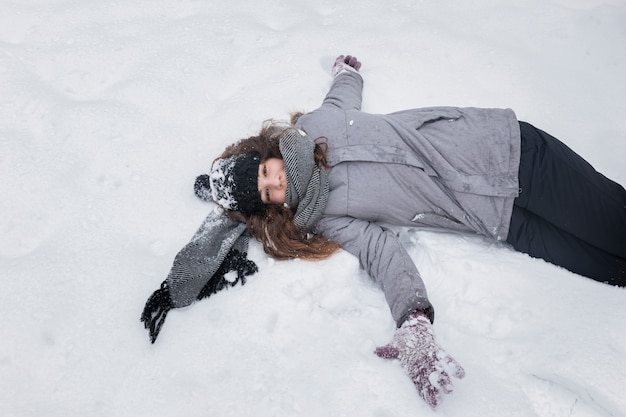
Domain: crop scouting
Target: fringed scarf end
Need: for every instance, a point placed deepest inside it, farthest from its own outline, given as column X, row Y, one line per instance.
column 156, row 309
column 235, row 261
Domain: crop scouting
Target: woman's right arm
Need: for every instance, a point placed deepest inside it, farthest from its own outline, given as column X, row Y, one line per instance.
column 384, row 259
column 346, row 91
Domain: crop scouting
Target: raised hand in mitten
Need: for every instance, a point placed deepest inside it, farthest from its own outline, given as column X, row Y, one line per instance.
column 343, row 62
column 427, row 364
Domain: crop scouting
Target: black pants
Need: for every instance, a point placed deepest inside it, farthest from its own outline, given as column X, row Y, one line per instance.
column 568, row 213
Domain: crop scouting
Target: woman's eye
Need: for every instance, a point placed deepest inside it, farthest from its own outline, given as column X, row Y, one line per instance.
column 264, row 171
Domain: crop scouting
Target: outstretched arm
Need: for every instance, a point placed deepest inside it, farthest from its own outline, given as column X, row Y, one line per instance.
column 385, row 260
column 414, row 344
column 346, row 90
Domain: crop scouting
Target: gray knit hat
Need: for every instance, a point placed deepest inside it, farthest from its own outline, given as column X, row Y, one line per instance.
column 233, row 184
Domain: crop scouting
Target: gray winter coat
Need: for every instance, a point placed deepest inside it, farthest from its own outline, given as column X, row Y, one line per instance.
column 441, row 167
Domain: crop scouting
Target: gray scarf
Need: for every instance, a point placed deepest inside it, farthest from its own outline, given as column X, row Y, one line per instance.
column 307, row 184
column 219, row 246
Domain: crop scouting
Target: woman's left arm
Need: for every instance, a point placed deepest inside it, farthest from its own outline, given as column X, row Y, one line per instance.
column 384, row 259
column 414, row 343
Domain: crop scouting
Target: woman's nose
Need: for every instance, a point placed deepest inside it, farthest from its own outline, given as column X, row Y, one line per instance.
column 274, row 182
column 278, row 183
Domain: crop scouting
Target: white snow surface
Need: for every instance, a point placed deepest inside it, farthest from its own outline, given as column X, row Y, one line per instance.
column 110, row 109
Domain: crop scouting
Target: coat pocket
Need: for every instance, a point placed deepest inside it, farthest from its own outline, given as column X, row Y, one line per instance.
column 419, row 117
column 437, row 221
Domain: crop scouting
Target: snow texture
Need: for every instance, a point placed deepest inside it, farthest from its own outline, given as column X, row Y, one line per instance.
column 110, row 109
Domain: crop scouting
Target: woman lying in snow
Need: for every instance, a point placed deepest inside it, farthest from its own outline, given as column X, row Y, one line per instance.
column 336, row 176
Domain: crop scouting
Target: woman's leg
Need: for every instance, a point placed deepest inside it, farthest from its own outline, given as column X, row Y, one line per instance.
column 560, row 187
column 535, row 236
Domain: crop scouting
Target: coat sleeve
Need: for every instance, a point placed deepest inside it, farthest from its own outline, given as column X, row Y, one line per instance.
column 382, row 256
column 346, row 91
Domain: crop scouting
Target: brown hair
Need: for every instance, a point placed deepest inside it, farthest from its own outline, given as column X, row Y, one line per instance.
column 275, row 229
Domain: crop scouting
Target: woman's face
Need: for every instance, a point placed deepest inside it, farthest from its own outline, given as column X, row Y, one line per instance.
column 272, row 181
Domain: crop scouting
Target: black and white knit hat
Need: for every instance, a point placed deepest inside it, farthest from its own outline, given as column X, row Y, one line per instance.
column 233, row 184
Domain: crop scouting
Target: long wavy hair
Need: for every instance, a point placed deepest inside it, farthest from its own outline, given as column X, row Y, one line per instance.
column 275, row 229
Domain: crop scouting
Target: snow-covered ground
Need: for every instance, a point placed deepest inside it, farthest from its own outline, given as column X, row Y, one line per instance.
column 108, row 111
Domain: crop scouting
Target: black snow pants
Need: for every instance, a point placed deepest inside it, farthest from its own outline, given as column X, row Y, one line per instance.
column 568, row 213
